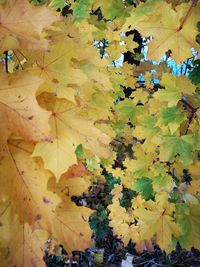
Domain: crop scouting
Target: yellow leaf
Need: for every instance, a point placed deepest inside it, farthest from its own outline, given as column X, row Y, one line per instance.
column 115, row 172
column 25, row 185
column 173, row 29
column 19, row 244
column 194, row 170
column 130, row 44
column 70, row 222
column 69, row 186
column 194, row 188
column 157, row 219
column 22, row 23
column 68, row 131
column 175, row 88
column 140, row 95
column 188, row 218
column 56, row 68
column 139, row 166
column 117, row 191
column 20, row 108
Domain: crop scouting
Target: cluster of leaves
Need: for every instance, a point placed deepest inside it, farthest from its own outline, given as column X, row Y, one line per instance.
column 61, row 106
column 162, row 127
column 48, row 76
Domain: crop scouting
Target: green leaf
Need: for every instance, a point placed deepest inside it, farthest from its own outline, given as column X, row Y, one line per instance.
column 172, row 117
column 111, row 181
column 80, row 153
column 126, row 110
column 118, row 127
column 172, row 146
column 189, row 219
column 175, row 88
column 162, row 181
column 144, row 186
column 195, row 73
column 196, row 141
column 145, row 8
column 115, row 9
column 57, row 4
column 81, row 9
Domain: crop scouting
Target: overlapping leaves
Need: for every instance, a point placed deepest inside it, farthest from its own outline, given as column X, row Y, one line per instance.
column 60, row 94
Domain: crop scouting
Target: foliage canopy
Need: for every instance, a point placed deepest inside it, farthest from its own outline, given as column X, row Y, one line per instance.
column 64, row 111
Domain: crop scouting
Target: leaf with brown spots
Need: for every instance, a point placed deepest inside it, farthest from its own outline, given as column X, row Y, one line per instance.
column 71, row 222
column 41, row 202
column 19, row 111
column 19, row 245
column 21, row 25
column 25, row 185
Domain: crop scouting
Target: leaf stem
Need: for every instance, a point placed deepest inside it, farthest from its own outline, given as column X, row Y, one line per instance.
column 193, row 4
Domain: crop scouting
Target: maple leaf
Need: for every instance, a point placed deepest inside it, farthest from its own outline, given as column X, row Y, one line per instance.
column 157, row 219
column 161, row 180
column 173, row 29
column 81, row 9
column 114, row 9
column 28, row 187
column 73, row 71
column 19, row 244
column 144, row 186
column 120, row 221
column 25, row 185
column 173, row 145
column 126, row 110
column 69, row 66
column 188, row 218
column 117, row 191
column 70, row 222
column 162, row 183
column 172, row 117
column 22, row 23
column 147, row 129
column 69, row 130
column 115, row 50
column 140, row 165
column 129, row 43
column 53, row 65
column 140, row 95
column 175, row 88
column 98, row 106
column 20, row 108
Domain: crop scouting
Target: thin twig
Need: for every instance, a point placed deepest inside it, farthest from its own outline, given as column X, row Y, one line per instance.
column 6, row 60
